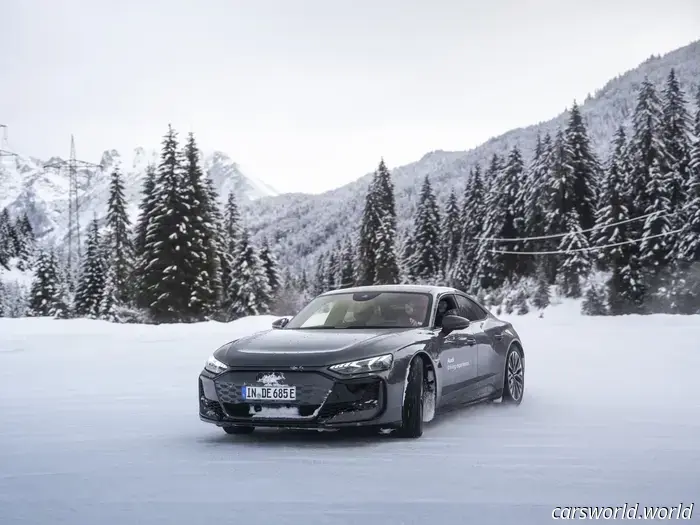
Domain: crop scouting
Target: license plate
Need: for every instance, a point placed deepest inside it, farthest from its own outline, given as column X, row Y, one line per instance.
column 270, row 393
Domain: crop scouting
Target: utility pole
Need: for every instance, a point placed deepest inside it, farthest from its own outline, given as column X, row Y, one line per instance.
column 4, row 151
column 73, row 166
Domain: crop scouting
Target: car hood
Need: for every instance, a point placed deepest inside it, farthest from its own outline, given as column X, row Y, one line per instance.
column 288, row 348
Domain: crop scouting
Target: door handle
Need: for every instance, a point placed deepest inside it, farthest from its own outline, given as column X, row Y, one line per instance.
column 471, row 341
column 498, row 337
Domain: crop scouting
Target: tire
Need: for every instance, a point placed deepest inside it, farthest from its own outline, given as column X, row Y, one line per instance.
column 238, row 430
column 412, row 411
column 514, row 377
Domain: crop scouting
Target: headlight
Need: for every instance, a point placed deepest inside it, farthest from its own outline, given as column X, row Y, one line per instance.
column 215, row 366
column 363, row 366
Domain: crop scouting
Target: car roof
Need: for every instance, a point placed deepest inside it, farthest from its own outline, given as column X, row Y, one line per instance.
column 410, row 288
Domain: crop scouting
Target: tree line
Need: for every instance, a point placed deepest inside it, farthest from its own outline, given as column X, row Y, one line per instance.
column 564, row 218
column 185, row 259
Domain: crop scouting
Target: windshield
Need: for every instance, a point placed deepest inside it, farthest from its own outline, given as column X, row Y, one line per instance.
column 365, row 310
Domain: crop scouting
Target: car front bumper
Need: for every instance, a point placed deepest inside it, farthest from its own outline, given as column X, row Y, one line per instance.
column 324, row 400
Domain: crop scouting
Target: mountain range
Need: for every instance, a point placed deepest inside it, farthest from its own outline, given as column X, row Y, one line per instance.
column 300, row 226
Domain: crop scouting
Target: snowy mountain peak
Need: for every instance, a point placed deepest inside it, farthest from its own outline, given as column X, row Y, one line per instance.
column 27, row 186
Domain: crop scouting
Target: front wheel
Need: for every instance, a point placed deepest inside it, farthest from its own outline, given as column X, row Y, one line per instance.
column 412, row 412
column 514, row 377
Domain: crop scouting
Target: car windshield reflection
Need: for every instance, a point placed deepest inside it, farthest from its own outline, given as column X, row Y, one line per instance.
column 365, row 310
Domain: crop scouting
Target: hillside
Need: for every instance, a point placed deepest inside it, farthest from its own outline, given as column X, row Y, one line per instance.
column 304, row 225
column 25, row 185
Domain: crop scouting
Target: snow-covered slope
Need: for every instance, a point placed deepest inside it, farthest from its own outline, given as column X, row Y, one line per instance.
column 303, row 225
column 25, row 185
column 98, row 425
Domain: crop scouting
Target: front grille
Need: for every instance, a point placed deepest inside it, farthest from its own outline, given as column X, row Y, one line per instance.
column 318, row 397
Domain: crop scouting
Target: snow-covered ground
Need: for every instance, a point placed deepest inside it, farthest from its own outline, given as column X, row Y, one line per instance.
column 99, row 425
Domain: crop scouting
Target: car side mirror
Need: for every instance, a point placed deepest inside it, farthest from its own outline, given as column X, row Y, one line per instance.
column 450, row 323
column 280, row 323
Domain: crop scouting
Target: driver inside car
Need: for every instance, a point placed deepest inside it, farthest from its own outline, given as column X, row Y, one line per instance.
column 443, row 309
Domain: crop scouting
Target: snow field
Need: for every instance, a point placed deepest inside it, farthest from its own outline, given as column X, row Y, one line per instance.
column 98, row 425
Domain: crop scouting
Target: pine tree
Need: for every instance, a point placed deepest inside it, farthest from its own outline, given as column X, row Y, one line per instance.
column 6, row 249
column 576, row 263
column 501, row 221
column 347, row 268
column 249, row 290
column 612, row 208
column 145, row 210
column 584, row 168
column 451, row 234
column 233, row 233
column 540, row 299
column 167, row 263
column 45, row 293
column 204, row 268
column 119, row 247
column 269, row 262
column 91, row 284
column 378, row 218
column 594, row 300
column 472, row 219
column 687, row 289
column 3, row 300
column 675, row 135
column 319, row 284
column 386, row 260
column 425, row 263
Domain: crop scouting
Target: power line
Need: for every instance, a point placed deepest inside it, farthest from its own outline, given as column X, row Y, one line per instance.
column 589, row 249
column 4, row 151
column 598, row 227
column 73, row 165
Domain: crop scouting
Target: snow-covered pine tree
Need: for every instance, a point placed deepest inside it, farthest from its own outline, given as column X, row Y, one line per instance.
column 222, row 261
column 232, row 235
column 3, row 300
column 472, row 217
column 675, row 135
column 25, row 242
column 140, row 229
column 584, row 166
column 6, row 248
column 167, row 263
column 269, row 262
column 541, row 297
column 205, row 279
column 119, row 257
column 347, row 268
column 561, row 197
column 91, row 283
column 594, row 300
column 45, row 294
column 379, row 215
column 612, row 208
column 451, row 234
column 500, row 222
column 426, row 264
column 332, row 269
column 646, row 157
column 319, row 283
column 575, row 261
column 249, row 290
column 386, row 260
column 145, row 209
column 687, row 290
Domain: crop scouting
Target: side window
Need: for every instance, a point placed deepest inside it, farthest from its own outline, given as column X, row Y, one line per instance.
column 470, row 309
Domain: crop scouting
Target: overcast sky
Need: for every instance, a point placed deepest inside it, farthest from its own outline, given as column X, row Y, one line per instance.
column 307, row 95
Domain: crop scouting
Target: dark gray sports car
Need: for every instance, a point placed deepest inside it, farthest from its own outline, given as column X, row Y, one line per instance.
column 379, row 356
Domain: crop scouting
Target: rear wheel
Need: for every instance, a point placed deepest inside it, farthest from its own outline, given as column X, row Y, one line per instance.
column 238, row 430
column 412, row 412
column 514, row 377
